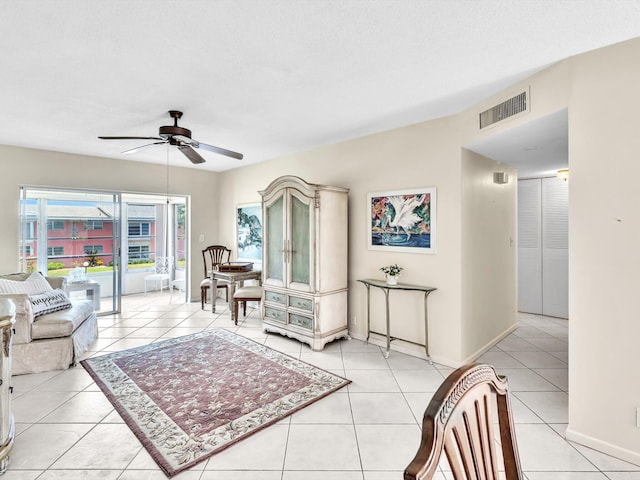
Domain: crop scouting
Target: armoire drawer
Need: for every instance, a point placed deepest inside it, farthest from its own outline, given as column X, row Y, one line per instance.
column 274, row 297
column 301, row 303
column 301, row 321
column 275, row 314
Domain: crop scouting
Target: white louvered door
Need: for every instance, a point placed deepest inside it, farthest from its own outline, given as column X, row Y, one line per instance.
column 543, row 254
column 555, row 248
column 529, row 246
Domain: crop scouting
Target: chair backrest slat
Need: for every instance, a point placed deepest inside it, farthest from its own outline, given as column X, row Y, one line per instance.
column 214, row 255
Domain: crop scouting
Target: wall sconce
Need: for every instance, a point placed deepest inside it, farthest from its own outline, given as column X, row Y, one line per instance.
column 500, row 178
column 563, row 174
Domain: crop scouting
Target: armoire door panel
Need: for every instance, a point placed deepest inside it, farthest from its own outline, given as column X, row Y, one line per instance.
column 274, row 253
column 301, row 238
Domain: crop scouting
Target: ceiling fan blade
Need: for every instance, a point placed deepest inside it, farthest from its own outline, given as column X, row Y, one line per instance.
column 204, row 146
column 221, row 151
column 131, row 138
column 137, row 149
column 191, row 154
column 183, row 139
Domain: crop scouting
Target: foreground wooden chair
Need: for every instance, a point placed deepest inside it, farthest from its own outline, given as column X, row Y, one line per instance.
column 461, row 420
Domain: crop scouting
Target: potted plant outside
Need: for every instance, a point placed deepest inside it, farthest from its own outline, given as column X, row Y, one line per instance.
column 391, row 272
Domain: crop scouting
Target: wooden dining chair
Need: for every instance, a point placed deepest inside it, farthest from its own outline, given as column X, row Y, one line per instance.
column 212, row 256
column 461, row 420
column 251, row 293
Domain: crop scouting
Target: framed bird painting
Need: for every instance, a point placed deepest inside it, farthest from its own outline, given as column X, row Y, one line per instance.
column 403, row 220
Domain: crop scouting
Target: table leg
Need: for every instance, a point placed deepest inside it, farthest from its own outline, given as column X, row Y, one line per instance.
column 386, row 295
column 426, row 328
column 214, row 293
column 368, row 314
column 232, row 291
column 94, row 295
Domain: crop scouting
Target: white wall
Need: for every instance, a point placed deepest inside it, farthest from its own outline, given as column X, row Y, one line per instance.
column 422, row 155
column 22, row 166
column 604, row 250
column 600, row 90
column 489, row 254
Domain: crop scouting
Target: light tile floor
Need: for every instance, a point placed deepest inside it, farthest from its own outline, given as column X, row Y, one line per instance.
column 66, row 429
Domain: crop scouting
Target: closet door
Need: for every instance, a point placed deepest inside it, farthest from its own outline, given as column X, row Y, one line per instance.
column 543, row 247
column 555, row 248
column 529, row 246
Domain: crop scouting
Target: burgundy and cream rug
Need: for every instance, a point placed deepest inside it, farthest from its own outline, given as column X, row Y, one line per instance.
column 190, row 397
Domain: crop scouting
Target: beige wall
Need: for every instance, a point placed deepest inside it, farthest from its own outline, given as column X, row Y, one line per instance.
column 489, row 254
column 422, row 155
column 604, row 252
column 21, row 166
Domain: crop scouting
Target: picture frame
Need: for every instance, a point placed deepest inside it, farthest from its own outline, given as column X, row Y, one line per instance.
column 402, row 220
column 249, row 232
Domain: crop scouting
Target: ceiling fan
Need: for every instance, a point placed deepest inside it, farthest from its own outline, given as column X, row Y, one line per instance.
column 181, row 138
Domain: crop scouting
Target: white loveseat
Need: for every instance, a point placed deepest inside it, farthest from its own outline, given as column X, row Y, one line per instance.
column 50, row 341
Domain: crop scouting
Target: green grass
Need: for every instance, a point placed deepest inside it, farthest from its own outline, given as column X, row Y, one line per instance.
column 64, row 272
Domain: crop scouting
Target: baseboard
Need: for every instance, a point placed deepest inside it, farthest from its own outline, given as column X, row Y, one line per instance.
column 406, row 348
column 604, row 447
column 414, row 350
column 489, row 345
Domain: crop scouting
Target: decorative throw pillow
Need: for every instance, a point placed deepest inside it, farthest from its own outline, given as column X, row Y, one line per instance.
column 48, row 302
column 32, row 285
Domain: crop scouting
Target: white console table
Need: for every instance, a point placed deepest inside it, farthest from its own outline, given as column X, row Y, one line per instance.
column 369, row 282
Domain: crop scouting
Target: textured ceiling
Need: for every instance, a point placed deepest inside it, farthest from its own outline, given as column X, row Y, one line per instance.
column 268, row 78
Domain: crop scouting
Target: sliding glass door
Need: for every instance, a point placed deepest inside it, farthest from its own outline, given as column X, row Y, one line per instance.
column 104, row 241
column 73, row 234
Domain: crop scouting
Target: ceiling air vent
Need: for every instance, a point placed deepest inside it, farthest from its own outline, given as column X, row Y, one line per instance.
column 504, row 110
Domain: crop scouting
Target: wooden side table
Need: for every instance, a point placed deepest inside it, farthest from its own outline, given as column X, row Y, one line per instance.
column 370, row 282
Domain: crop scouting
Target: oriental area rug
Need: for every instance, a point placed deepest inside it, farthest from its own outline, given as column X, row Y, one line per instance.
column 190, row 397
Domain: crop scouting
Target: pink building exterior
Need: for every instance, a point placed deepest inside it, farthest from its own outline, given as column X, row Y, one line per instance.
column 82, row 232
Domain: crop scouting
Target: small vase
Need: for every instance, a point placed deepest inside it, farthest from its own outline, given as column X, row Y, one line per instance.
column 392, row 280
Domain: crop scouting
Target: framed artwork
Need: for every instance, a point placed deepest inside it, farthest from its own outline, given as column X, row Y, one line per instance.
column 249, row 232
column 403, row 221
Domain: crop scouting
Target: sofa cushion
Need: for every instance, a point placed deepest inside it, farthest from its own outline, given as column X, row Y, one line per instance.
column 31, row 284
column 62, row 323
column 48, row 302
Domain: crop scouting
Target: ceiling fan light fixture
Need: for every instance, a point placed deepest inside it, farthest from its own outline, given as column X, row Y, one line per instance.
column 169, row 131
column 563, row 174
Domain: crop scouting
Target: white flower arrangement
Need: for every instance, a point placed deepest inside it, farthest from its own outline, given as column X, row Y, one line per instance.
column 391, row 270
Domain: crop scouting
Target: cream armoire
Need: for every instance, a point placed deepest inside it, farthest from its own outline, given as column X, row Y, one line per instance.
column 304, row 269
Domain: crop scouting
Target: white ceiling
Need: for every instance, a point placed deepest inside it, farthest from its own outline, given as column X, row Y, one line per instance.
column 269, row 78
column 538, row 148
